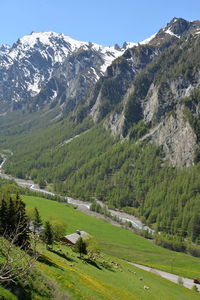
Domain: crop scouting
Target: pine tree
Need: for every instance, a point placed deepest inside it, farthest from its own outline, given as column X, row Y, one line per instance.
column 22, row 221
column 3, row 216
column 81, row 247
column 11, row 217
column 195, row 226
column 48, row 234
column 13, row 221
column 37, row 221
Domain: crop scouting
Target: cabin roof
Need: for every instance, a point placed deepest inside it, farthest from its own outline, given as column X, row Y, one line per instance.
column 73, row 238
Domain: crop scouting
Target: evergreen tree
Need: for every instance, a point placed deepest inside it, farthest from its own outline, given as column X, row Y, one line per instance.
column 13, row 221
column 37, row 221
column 22, row 222
column 81, row 247
column 3, row 216
column 195, row 227
column 11, row 217
column 48, row 234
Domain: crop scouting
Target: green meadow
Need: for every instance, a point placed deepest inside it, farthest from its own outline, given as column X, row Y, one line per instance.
column 118, row 242
column 107, row 278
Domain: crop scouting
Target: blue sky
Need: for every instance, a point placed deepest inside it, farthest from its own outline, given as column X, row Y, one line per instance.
column 102, row 21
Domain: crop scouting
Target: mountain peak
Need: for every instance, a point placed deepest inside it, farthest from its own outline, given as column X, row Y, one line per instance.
column 49, row 38
column 177, row 26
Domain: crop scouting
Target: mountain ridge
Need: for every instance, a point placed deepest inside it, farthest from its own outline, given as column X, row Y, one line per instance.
column 27, row 66
column 143, row 83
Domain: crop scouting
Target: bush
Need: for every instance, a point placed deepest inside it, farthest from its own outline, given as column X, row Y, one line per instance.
column 194, row 288
column 193, row 250
column 174, row 245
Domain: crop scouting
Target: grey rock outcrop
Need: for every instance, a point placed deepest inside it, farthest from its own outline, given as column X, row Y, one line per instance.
column 177, row 139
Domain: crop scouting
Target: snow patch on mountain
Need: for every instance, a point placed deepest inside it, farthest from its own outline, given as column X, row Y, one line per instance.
column 146, row 41
column 34, row 86
column 171, row 33
column 95, row 73
column 109, row 54
column 127, row 45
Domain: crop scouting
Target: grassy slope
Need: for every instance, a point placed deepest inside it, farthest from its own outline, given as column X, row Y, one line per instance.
column 6, row 295
column 85, row 281
column 119, row 242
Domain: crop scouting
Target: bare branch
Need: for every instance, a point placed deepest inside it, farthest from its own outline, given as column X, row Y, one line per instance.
column 15, row 262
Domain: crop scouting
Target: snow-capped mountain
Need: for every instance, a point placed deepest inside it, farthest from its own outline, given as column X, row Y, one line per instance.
column 27, row 66
column 46, row 67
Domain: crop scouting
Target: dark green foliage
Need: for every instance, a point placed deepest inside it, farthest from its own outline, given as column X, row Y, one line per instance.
column 195, row 226
column 100, row 209
column 123, row 174
column 138, row 130
column 195, row 289
column 13, row 220
column 192, row 100
column 37, row 221
column 194, row 122
column 37, row 144
column 48, row 234
column 133, row 109
column 177, row 243
column 181, row 59
column 197, row 156
column 172, row 243
column 193, row 250
column 133, row 113
column 81, row 247
column 96, row 207
column 3, row 216
column 111, row 93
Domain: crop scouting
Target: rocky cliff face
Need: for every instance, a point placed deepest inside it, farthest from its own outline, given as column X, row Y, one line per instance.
column 71, row 80
column 119, row 76
column 157, row 94
column 177, row 139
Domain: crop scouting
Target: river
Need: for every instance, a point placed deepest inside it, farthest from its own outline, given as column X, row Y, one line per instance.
column 122, row 217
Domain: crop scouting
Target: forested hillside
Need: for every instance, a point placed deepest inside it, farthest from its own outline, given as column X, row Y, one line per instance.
column 120, row 173
column 141, row 153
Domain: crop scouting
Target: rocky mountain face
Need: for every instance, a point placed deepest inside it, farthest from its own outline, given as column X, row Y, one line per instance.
column 158, row 97
column 120, row 74
column 109, row 92
column 41, row 67
column 146, row 91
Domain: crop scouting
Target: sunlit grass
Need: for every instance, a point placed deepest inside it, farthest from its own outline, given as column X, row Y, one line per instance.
column 117, row 241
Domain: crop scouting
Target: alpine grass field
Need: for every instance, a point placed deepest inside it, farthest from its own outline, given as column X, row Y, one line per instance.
column 111, row 277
